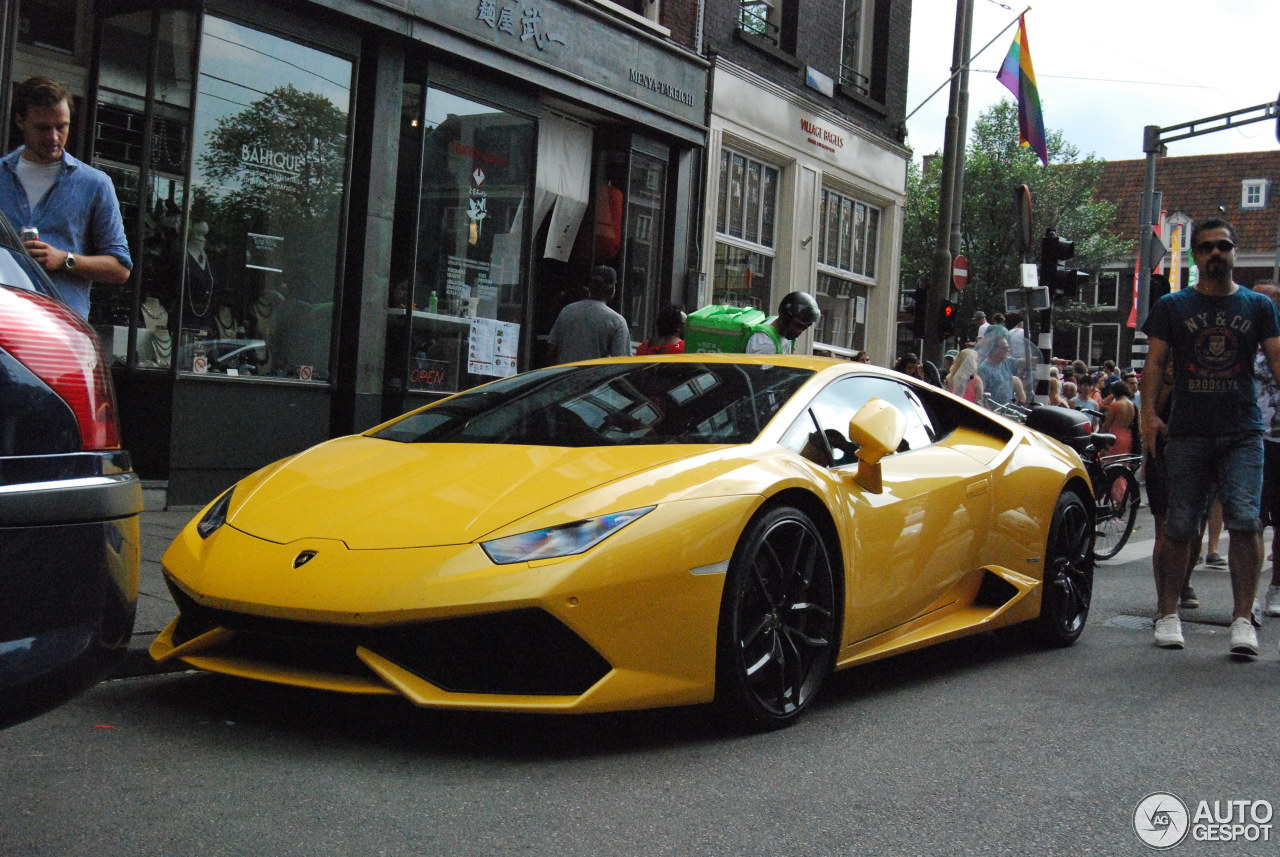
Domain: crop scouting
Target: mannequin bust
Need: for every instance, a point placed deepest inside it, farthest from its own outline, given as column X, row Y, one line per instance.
column 225, row 322
column 199, row 283
column 154, row 315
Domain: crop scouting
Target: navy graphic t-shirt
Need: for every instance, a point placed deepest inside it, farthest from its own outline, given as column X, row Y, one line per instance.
column 1212, row 342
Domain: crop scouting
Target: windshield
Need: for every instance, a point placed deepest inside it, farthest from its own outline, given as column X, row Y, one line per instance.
column 615, row 404
column 16, row 267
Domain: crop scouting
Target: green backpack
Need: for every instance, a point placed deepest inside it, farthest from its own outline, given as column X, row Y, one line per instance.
column 723, row 329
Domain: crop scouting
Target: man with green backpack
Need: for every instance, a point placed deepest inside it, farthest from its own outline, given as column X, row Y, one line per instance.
column 727, row 329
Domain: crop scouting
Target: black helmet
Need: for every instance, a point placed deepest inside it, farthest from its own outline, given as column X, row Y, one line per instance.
column 800, row 306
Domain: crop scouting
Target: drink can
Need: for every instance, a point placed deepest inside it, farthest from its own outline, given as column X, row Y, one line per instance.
column 30, row 233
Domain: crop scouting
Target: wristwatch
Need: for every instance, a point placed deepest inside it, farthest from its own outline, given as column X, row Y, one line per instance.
column 70, row 262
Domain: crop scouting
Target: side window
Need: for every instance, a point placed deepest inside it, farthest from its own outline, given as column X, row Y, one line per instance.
column 832, row 409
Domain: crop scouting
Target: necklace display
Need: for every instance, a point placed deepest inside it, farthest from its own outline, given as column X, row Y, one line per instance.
column 263, row 308
column 154, row 314
column 200, row 312
column 226, row 322
column 162, row 345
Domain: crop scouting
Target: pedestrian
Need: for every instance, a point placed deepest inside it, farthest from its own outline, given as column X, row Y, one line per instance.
column 73, row 206
column 1086, row 394
column 963, row 378
column 997, row 370
column 1157, row 484
column 909, row 364
column 1211, row 333
column 669, row 326
column 588, row 329
column 797, row 312
column 980, row 319
column 1055, row 393
column 862, row 357
column 1121, row 419
column 1269, row 405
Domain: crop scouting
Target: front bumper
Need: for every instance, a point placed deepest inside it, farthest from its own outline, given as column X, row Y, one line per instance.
column 632, row 623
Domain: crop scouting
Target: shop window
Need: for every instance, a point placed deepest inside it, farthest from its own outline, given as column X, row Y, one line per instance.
column 849, row 231
column 456, row 309
column 746, row 214
column 844, row 313
column 257, row 263
column 151, row 191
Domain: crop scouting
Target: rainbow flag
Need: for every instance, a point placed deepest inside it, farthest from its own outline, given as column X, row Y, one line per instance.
column 1020, row 77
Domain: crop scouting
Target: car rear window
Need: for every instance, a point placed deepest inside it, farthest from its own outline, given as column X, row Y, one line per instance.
column 633, row 403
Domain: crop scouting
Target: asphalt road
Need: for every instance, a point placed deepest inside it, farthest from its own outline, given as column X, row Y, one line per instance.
column 982, row 747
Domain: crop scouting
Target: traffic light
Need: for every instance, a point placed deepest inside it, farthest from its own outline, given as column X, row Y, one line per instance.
column 1062, row 282
column 946, row 320
column 918, row 312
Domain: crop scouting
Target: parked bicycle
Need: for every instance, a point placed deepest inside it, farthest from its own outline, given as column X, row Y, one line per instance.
column 1115, row 491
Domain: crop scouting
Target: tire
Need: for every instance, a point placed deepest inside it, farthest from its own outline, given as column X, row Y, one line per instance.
column 1117, row 499
column 777, row 633
column 1068, row 575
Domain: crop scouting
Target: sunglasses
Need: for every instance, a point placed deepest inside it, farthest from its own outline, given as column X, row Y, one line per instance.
column 1222, row 245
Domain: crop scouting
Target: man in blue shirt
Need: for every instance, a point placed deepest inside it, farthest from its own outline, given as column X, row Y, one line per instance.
column 1210, row 334
column 73, row 206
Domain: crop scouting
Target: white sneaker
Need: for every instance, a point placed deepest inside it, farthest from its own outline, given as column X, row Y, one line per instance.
column 1169, row 632
column 1244, row 640
column 1273, row 600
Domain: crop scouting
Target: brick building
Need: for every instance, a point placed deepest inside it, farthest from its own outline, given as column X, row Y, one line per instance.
column 1237, row 187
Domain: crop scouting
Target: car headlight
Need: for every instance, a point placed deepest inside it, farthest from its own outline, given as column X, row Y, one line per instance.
column 564, row 540
column 216, row 516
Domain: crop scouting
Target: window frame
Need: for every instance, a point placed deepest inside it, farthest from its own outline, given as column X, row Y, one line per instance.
column 1248, row 187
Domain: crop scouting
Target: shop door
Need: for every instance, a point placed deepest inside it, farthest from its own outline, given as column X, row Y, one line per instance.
column 642, row 291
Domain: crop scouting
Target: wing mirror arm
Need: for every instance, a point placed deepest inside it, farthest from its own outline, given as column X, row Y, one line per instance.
column 877, row 428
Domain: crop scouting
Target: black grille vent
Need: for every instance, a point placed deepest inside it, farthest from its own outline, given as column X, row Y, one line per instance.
column 519, row 652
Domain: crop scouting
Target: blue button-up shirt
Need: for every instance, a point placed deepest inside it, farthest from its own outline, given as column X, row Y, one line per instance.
column 79, row 214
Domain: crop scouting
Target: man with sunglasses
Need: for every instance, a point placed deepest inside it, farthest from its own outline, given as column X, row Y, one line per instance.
column 1210, row 334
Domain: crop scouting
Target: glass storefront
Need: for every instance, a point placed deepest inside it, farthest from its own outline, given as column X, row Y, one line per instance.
column 458, row 294
column 237, row 270
column 259, row 264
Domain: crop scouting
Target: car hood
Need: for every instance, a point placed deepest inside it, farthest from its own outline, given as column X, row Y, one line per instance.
column 373, row 493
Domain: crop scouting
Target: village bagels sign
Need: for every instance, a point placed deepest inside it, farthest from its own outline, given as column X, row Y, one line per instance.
column 820, row 136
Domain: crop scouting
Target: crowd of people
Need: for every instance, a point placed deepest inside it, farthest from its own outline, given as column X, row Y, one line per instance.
column 1207, row 407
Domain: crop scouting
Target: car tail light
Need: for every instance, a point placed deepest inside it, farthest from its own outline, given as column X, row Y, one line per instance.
column 62, row 350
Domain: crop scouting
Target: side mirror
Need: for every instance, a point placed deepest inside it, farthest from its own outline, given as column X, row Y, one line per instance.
column 877, row 428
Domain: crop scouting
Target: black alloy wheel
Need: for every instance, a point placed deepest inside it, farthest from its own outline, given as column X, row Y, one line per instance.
column 1117, row 499
column 777, row 637
column 1068, row 574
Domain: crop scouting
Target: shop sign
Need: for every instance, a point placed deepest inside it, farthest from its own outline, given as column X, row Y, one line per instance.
column 822, row 137
column 531, row 29
column 661, row 87
column 266, row 158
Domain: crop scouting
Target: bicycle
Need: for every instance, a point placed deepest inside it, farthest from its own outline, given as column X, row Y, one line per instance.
column 1115, row 491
